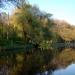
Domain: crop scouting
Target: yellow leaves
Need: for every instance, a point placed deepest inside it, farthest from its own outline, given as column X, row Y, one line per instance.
column 67, row 34
column 45, row 22
column 16, row 16
column 19, row 58
column 66, row 31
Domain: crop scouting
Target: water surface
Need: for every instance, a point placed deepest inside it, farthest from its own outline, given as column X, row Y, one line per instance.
column 70, row 70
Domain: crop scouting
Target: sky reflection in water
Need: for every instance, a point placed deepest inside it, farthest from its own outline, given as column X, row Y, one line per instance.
column 70, row 70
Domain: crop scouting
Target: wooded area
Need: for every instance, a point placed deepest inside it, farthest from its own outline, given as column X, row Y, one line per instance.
column 28, row 38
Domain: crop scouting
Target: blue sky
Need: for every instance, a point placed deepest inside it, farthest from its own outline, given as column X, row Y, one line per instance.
column 61, row 9
column 8, row 8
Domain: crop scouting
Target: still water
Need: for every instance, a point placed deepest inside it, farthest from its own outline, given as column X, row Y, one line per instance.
column 70, row 70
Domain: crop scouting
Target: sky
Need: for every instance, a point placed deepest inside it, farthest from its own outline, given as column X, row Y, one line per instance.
column 61, row 9
column 9, row 7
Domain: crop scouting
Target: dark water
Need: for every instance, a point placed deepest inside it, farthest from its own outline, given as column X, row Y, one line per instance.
column 70, row 70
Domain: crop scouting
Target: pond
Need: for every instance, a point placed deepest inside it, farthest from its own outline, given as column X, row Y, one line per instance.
column 70, row 70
